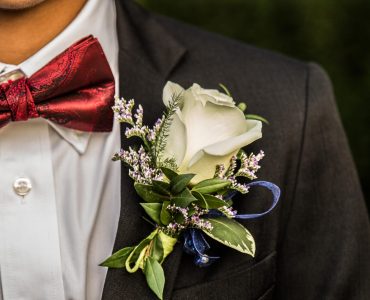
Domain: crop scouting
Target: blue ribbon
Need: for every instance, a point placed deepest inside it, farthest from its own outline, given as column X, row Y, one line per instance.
column 275, row 190
column 195, row 244
column 194, row 241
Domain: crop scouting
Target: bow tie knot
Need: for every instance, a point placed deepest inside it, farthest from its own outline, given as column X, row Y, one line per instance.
column 75, row 90
column 18, row 100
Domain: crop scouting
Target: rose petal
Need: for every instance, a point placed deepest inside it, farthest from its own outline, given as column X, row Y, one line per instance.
column 254, row 132
column 209, row 125
column 205, row 166
column 171, row 90
column 211, row 95
column 176, row 140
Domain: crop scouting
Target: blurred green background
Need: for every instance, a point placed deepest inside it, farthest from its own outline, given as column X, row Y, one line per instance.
column 334, row 33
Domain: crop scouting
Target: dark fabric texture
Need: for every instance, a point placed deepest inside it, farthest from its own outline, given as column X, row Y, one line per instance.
column 316, row 243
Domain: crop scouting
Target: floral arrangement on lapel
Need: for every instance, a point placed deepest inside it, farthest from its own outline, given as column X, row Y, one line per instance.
column 186, row 170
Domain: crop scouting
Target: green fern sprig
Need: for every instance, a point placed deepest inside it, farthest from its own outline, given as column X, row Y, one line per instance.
column 163, row 133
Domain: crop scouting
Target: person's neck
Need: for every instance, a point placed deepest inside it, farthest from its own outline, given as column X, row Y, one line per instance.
column 24, row 32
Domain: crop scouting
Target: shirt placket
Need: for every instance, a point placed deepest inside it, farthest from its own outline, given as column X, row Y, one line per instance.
column 29, row 235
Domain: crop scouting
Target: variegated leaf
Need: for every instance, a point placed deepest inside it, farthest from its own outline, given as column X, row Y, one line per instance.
column 232, row 234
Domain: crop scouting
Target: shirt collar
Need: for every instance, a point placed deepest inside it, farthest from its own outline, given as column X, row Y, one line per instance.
column 79, row 140
column 91, row 20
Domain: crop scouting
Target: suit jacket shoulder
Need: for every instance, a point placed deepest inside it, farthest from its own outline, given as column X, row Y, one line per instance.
column 231, row 60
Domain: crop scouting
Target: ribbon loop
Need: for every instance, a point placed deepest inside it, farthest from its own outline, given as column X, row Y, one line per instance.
column 195, row 244
column 75, row 90
column 275, row 190
column 194, row 241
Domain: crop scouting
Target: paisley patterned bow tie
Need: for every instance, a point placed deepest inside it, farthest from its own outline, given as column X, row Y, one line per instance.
column 75, row 90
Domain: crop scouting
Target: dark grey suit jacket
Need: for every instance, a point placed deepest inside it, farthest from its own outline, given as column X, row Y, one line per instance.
column 316, row 243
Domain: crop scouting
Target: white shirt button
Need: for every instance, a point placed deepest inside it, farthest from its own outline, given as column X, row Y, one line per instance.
column 22, row 186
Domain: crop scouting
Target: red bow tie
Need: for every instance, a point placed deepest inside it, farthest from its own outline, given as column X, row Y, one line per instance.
column 75, row 90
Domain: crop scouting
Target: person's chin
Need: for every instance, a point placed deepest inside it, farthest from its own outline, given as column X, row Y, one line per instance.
column 19, row 4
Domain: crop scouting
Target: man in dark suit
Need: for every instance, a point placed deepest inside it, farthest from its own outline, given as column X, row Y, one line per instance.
column 314, row 245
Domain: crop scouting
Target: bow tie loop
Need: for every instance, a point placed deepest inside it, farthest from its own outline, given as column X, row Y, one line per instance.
column 75, row 90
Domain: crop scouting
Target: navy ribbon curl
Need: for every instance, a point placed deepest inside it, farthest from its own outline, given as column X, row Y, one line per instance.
column 275, row 190
column 194, row 241
column 195, row 244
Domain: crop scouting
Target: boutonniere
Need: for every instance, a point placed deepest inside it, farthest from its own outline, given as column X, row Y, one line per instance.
column 186, row 170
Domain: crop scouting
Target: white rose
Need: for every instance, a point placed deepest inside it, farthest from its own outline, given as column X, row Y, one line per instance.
column 207, row 130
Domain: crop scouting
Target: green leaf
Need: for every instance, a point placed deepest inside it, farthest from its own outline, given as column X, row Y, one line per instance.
column 147, row 193
column 161, row 187
column 168, row 243
column 229, row 202
column 157, row 251
column 208, row 201
column 201, row 202
column 209, row 186
column 136, row 257
column 232, row 234
column 180, row 182
column 169, row 173
column 184, row 199
column 214, row 202
column 179, row 218
column 256, row 117
column 154, row 276
column 153, row 210
column 118, row 259
column 191, row 211
column 165, row 215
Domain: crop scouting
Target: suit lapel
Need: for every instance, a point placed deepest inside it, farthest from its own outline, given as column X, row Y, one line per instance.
column 147, row 55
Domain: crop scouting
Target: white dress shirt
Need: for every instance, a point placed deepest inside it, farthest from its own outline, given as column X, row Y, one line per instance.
column 53, row 238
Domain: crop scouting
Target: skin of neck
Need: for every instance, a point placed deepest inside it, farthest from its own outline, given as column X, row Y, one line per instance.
column 24, row 32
